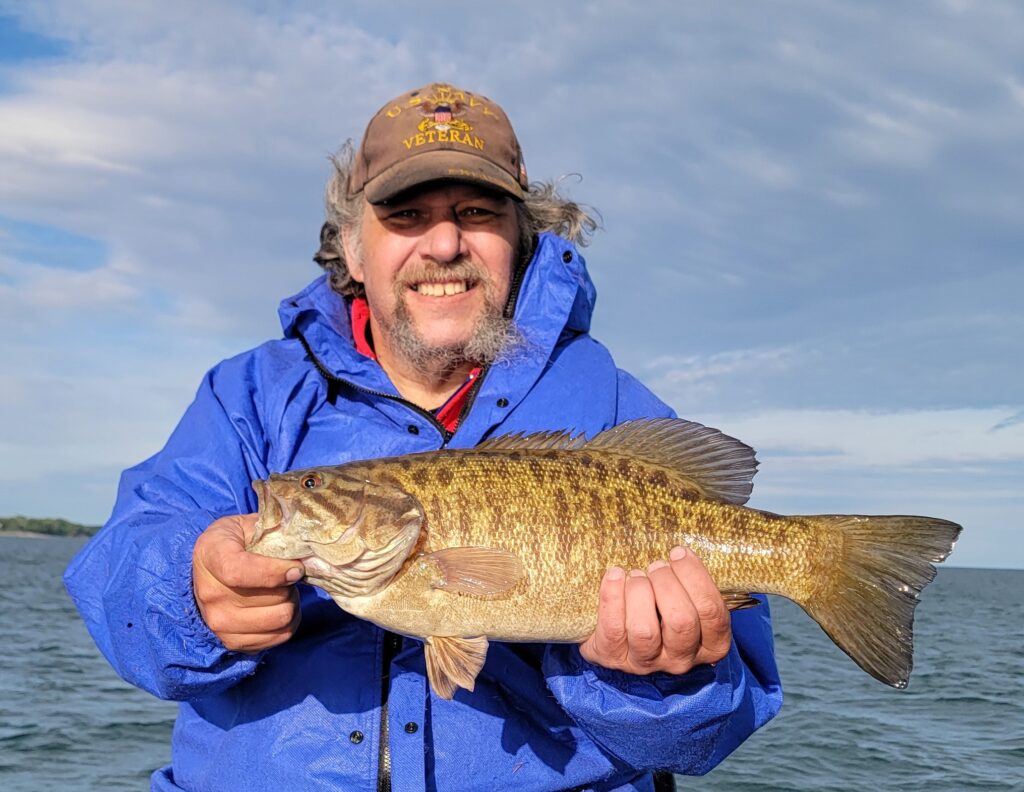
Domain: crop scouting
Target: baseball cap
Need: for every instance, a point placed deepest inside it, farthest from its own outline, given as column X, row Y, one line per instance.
column 437, row 132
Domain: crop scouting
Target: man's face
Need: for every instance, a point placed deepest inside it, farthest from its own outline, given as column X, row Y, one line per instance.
column 437, row 267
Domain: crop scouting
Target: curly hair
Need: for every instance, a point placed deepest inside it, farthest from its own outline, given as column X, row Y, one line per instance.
column 543, row 209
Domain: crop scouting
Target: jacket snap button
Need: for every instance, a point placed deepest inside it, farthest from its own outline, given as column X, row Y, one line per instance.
column 567, row 256
column 503, row 402
column 414, row 429
column 356, row 737
column 411, row 727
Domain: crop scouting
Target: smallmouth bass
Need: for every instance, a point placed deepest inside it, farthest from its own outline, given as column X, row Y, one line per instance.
column 509, row 541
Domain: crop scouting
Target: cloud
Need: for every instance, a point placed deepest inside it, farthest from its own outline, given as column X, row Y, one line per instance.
column 1011, row 420
column 27, row 289
column 904, row 439
column 701, row 379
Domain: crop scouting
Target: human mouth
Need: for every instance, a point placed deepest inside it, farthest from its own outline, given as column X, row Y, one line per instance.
column 446, row 289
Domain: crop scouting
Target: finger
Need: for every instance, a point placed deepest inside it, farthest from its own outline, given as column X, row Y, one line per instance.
column 608, row 643
column 211, row 594
column 251, row 644
column 680, row 624
column 642, row 626
column 715, row 624
column 238, row 569
column 258, row 598
column 227, row 620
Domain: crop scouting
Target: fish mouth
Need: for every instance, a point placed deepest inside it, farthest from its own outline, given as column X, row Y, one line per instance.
column 274, row 512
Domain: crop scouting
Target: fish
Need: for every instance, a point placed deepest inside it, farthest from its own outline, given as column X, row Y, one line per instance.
column 509, row 541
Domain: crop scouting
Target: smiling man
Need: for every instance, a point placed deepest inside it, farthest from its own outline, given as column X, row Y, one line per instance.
column 455, row 307
column 435, row 264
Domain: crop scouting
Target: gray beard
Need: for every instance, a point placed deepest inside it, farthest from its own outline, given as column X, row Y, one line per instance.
column 495, row 337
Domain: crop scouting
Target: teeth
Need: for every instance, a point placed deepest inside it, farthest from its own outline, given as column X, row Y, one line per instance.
column 441, row 289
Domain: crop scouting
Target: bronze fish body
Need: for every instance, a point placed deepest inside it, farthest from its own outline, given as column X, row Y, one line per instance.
column 509, row 541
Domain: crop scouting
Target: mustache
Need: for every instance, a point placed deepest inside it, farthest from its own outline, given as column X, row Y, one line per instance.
column 435, row 272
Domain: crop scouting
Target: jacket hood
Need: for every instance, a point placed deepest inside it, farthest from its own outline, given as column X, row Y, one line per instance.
column 557, row 295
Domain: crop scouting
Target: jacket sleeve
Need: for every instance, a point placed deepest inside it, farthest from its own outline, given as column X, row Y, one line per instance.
column 132, row 583
column 685, row 723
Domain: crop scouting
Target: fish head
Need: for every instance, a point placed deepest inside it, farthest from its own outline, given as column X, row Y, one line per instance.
column 352, row 535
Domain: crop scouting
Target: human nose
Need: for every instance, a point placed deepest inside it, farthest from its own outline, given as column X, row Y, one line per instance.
column 444, row 241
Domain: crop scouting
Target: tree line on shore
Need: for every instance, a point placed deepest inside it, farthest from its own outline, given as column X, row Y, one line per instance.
column 51, row 526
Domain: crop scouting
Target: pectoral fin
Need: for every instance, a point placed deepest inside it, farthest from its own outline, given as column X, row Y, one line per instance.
column 454, row 663
column 735, row 600
column 479, row 571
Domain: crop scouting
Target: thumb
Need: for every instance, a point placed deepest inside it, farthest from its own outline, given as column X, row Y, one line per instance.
column 225, row 557
column 242, row 569
column 294, row 570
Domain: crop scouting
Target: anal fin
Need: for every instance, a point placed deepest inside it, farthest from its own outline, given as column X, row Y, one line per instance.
column 735, row 600
column 454, row 663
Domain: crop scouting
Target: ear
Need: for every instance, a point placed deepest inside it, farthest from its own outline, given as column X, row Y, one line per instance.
column 353, row 254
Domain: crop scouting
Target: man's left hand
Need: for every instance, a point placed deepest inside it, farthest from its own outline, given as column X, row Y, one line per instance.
column 670, row 618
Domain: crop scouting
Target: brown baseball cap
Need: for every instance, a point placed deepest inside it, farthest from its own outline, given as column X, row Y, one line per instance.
column 437, row 133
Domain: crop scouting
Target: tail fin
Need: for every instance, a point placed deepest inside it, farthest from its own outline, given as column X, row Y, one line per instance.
column 868, row 611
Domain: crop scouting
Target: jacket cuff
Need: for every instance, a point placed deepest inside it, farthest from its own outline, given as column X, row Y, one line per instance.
column 177, row 599
column 653, row 687
column 194, row 661
column 652, row 722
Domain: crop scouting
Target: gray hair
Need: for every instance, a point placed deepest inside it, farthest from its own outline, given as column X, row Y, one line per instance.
column 543, row 209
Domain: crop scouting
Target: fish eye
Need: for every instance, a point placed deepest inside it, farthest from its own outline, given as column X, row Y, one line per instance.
column 312, row 481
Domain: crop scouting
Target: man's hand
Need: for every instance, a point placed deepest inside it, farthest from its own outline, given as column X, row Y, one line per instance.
column 670, row 619
column 248, row 600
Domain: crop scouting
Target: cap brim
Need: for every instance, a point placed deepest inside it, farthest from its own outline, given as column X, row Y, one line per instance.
column 443, row 165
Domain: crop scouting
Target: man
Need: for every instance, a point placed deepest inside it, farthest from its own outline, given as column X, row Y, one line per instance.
column 449, row 314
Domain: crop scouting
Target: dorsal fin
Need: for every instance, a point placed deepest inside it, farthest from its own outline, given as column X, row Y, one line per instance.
column 719, row 466
column 560, row 440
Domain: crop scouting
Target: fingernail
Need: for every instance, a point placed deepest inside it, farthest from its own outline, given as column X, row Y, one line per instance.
column 294, row 575
column 615, row 573
column 637, row 573
column 678, row 553
column 656, row 565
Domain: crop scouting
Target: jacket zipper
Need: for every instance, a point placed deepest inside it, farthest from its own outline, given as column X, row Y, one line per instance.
column 392, row 643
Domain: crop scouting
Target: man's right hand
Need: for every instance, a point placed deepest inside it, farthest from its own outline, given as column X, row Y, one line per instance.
column 249, row 601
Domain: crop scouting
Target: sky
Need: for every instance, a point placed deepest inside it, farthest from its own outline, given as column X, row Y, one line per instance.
column 812, row 221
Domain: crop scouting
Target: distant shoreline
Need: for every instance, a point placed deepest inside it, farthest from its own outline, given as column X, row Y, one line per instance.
column 29, row 527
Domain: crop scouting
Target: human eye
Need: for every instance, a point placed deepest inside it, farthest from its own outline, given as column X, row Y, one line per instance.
column 482, row 212
column 403, row 216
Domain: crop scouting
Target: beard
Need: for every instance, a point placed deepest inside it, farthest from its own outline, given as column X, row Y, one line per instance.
column 494, row 337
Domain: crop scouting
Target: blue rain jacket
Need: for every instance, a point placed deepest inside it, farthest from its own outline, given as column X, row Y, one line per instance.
column 307, row 715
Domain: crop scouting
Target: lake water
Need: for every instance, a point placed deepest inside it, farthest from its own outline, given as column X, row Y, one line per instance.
column 67, row 722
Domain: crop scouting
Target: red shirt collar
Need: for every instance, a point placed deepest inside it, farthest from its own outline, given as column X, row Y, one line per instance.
column 361, row 327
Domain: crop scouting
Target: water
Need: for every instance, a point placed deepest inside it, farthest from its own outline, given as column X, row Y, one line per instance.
column 68, row 723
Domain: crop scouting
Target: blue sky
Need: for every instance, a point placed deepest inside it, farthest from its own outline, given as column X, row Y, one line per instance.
column 813, row 221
